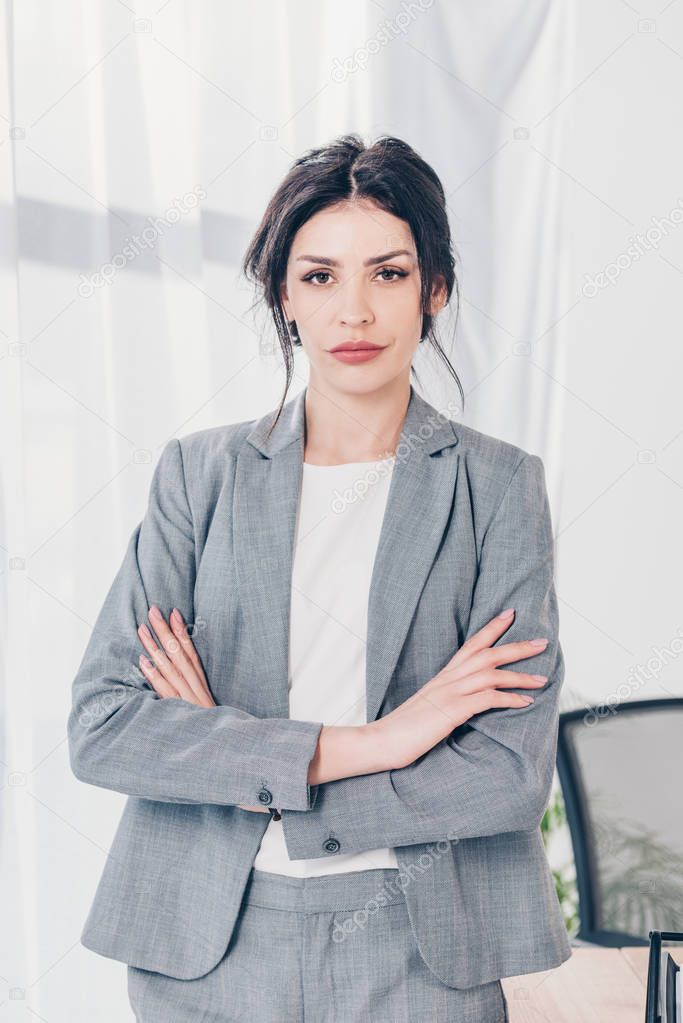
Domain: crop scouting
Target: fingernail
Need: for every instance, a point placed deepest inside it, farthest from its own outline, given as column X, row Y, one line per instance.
column 529, row 699
column 506, row 614
column 539, row 642
column 145, row 631
column 176, row 614
column 154, row 610
column 540, row 678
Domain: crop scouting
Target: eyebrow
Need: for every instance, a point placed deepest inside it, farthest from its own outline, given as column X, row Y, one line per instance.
column 373, row 261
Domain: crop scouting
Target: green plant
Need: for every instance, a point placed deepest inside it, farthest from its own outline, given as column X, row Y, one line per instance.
column 555, row 819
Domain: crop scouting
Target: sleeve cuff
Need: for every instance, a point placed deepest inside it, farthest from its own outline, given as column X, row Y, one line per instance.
column 289, row 787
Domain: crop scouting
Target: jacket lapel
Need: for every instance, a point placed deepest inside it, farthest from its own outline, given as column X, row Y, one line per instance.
column 268, row 481
column 418, row 509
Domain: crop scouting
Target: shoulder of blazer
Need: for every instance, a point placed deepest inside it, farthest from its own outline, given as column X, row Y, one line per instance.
column 208, row 458
column 488, row 456
column 215, row 443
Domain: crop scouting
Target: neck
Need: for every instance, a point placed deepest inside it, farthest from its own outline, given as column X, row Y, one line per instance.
column 344, row 427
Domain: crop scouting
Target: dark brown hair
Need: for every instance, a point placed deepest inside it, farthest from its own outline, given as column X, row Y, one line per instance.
column 388, row 172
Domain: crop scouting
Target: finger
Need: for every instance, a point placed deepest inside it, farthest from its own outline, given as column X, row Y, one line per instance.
column 487, row 699
column 181, row 632
column 519, row 651
column 176, row 655
column 493, row 656
column 165, row 666
column 496, row 678
column 196, row 674
column 518, row 680
column 487, row 635
column 190, row 663
column 175, row 650
column 155, row 678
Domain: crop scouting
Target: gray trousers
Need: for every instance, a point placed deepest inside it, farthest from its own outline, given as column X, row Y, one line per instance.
column 332, row 949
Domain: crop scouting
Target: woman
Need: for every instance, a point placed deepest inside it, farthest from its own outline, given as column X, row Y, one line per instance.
column 335, row 780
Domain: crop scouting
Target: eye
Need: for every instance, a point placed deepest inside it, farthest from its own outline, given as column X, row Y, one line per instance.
column 398, row 273
column 317, row 273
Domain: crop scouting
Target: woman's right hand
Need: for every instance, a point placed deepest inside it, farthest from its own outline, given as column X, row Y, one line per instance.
column 470, row 683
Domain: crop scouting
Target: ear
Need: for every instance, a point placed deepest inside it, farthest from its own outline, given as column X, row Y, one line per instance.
column 284, row 298
column 439, row 295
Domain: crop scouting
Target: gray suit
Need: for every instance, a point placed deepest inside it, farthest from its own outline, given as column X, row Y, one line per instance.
column 466, row 533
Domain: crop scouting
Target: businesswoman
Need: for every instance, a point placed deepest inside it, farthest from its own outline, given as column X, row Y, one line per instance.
column 326, row 674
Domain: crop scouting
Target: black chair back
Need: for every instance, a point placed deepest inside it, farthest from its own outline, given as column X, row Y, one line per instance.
column 621, row 772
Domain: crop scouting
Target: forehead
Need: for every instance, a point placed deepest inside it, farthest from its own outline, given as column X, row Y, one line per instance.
column 352, row 230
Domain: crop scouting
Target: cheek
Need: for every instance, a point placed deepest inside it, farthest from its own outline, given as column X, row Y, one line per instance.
column 401, row 312
column 310, row 305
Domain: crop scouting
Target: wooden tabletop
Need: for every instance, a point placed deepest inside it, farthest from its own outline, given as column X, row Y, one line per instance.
column 595, row 985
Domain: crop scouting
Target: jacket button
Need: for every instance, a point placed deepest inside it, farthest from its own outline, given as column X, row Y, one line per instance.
column 265, row 796
column 331, row 845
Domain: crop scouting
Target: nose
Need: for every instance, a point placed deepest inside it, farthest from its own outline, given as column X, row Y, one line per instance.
column 355, row 309
column 351, row 320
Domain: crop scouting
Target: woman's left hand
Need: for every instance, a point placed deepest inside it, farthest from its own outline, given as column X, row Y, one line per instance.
column 177, row 671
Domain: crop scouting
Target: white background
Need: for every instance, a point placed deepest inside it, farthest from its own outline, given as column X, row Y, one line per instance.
column 555, row 128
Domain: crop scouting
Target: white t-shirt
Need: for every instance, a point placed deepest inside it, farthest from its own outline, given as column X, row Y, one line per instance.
column 338, row 525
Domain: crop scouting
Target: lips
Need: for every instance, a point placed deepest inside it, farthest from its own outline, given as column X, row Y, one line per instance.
column 356, row 346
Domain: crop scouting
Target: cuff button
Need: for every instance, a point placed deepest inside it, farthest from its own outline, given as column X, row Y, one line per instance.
column 331, row 845
column 265, row 796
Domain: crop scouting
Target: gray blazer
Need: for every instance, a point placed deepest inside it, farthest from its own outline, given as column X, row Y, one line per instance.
column 466, row 533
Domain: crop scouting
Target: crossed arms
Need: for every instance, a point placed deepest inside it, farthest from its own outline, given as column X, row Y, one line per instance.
column 491, row 775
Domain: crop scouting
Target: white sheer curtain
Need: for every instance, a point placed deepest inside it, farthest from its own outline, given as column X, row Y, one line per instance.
column 141, row 144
